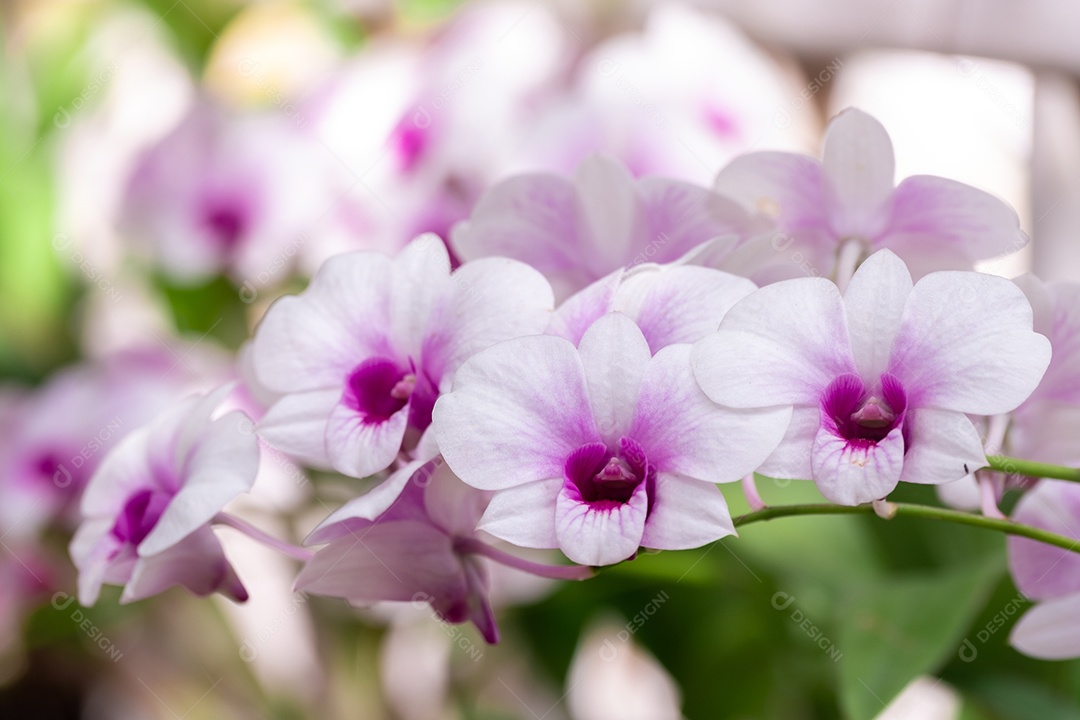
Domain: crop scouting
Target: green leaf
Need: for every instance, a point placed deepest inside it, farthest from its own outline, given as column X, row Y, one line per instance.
column 1011, row 698
column 898, row 629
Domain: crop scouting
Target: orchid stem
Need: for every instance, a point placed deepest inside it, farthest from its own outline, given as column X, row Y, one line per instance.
column 1030, row 468
column 922, row 511
column 556, row 572
column 262, row 537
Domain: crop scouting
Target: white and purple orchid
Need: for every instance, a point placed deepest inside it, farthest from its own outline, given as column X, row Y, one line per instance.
column 1048, row 575
column 848, row 200
column 880, row 377
column 579, row 230
column 147, row 510
column 361, row 356
column 598, row 449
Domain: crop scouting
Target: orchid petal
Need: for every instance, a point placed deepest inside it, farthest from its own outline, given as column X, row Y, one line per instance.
column 686, row 514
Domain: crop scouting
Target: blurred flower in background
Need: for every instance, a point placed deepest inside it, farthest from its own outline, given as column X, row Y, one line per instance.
column 170, row 168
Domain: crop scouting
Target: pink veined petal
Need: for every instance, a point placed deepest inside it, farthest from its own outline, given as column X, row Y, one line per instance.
column 1056, row 309
column 357, row 448
column 942, row 446
column 686, row 513
column 223, row 464
column 395, row 561
column 578, row 312
column 684, row 432
column 491, row 300
column 781, row 345
column 614, row 355
column 942, row 224
column 1046, row 432
column 875, row 300
column 600, row 533
column 791, row 459
column 682, row 216
column 450, row 504
column 313, row 340
column 197, row 563
column 859, row 171
column 610, row 214
column 516, row 412
column 779, row 186
column 123, row 472
column 421, row 284
column 852, row 473
column 297, row 425
column 359, row 513
column 680, row 304
column 531, row 218
column 966, row 343
column 1042, row 571
column 1050, row 630
column 524, row 515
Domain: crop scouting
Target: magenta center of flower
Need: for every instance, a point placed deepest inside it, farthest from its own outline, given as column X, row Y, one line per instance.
column 862, row 416
column 605, row 478
column 377, row 388
column 140, row 514
column 226, row 220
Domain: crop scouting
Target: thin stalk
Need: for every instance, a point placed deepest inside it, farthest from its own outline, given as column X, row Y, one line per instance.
column 258, row 535
column 921, row 511
column 1030, row 468
column 556, row 572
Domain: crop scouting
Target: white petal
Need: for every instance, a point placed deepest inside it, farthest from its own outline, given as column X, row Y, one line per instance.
column 684, row 432
column 591, row 536
column 296, row 424
column 314, row 340
column 609, row 208
column 1050, row 630
column 859, row 169
column 781, row 345
column 875, row 300
column 223, row 465
column 524, row 515
column 614, row 354
column 791, row 459
column 966, row 344
column 516, row 412
column 359, row 449
column 943, row 446
column 421, row 283
column 686, row 513
column 852, row 475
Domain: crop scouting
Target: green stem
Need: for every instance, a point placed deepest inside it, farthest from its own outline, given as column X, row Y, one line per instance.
column 910, row 510
column 1030, row 468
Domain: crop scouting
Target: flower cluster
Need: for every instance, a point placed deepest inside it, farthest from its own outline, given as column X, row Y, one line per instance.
column 588, row 357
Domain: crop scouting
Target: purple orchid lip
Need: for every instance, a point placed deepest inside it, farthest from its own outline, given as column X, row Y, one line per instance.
column 380, row 387
column 140, row 514
column 862, row 417
column 606, row 479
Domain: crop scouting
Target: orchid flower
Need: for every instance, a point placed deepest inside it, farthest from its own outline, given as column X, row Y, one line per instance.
column 210, row 198
column 880, row 377
column 147, row 510
column 413, row 538
column 670, row 304
column 361, row 356
column 601, row 448
column 848, row 200
column 1046, row 574
column 1046, row 426
column 579, row 230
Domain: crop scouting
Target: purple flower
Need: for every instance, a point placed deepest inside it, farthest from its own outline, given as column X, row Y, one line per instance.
column 1047, row 574
column 578, row 230
column 410, row 539
column 601, row 448
column 849, row 195
column 361, row 356
column 147, row 510
column 881, row 377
